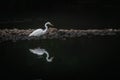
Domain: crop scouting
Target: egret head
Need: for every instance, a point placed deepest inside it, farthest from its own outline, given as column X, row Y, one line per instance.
column 48, row 24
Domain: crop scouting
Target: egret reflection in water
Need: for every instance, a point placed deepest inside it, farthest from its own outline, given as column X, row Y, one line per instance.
column 38, row 51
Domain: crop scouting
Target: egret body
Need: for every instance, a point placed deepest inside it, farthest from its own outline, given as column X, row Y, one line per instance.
column 39, row 32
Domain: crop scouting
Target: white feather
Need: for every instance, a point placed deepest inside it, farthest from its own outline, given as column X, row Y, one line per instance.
column 39, row 32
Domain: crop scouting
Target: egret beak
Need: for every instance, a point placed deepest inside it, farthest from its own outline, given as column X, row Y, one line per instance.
column 51, row 25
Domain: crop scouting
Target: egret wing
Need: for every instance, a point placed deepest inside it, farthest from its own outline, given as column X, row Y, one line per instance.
column 37, row 32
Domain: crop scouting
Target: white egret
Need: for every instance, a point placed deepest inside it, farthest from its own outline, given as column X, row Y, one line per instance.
column 39, row 32
column 40, row 52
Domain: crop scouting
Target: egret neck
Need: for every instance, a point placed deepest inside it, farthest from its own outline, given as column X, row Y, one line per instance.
column 46, row 28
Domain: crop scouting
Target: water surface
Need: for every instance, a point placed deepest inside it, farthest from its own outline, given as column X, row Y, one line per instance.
column 91, row 57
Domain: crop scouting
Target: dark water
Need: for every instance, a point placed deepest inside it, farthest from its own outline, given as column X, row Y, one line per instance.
column 95, row 57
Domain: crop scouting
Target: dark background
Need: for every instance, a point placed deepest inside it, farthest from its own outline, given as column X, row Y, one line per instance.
column 97, row 57
column 64, row 14
column 49, row 6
